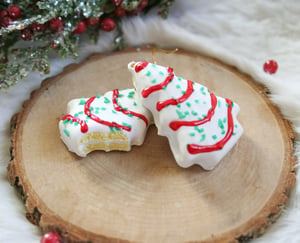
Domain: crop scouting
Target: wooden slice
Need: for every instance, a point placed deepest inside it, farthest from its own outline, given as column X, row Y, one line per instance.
column 142, row 195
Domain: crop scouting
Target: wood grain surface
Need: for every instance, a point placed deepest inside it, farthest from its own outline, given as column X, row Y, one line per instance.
column 142, row 195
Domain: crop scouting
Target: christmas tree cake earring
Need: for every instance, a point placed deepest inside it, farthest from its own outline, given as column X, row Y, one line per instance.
column 200, row 126
column 114, row 121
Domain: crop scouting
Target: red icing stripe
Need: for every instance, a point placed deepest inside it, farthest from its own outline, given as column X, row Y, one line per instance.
column 98, row 120
column 83, row 125
column 195, row 148
column 175, row 125
column 147, row 91
column 189, row 90
column 140, row 66
column 117, row 107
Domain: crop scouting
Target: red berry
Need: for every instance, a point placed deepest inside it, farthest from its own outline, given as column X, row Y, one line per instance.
column 119, row 12
column 80, row 27
column 37, row 27
column 26, row 34
column 56, row 24
column 6, row 21
column 143, row 4
column 108, row 24
column 92, row 21
column 117, row 2
column 50, row 238
column 14, row 11
column 270, row 66
column 3, row 13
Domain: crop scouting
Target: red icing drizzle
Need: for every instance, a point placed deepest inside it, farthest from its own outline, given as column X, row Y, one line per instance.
column 189, row 90
column 175, row 125
column 140, row 66
column 147, row 91
column 195, row 148
column 117, row 107
column 97, row 118
column 83, row 125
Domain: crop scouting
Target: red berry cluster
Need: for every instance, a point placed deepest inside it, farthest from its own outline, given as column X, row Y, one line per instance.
column 107, row 23
column 7, row 16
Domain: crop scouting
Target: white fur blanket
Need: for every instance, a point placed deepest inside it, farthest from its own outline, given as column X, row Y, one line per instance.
column 241, row 33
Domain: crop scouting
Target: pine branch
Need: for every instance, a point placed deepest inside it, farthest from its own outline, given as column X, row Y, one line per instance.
column 51, row 26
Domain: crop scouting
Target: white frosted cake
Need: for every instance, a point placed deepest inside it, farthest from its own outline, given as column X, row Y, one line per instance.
column 114, row 121
column 200, row 126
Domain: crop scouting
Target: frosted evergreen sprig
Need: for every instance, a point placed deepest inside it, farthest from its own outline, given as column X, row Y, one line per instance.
column 30, row 30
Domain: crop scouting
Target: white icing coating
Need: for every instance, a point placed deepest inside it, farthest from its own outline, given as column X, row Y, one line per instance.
column 194, row 108
column 82, row 133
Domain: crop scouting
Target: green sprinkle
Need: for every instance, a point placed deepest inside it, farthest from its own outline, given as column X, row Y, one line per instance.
column 197, row 101
column 131, row 94
column 178, row 86
column 106, row 100
column 67, row 132
column 183, row 92
column 233, row 134
column 223, row 132
column 154, row 81
column 103, row 108
column 134, row 103
column 120, row 95
column 220, row 123
column 188, row 104
column 130, row 115
column 192, row 134
column 111, row 129
column 161, row 73
column 81, row 102
column 180, row 114
column 76, row 114
column 113, row 111
column 148, row 73
column 153, row 65
column 98, row 96
column 65, row 121
column 76, row 124
column 179, row 78
column 194, row 113
column 200, row 130
column 126, row 124
column 219, row 103
column 202, row 138
column 81, row 112
column 235, row 126
column 178, row 105
column 117, row 128
column 186, row 113
column 224, row 120
column 204, row 102
column 214, row 137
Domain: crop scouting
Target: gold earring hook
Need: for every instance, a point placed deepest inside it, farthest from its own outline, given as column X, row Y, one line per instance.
column 162, row 50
